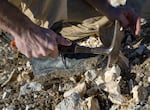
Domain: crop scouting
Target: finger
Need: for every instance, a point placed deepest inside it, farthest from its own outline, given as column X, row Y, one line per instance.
column 63, row 41
column 138, row 27
column 124, row 21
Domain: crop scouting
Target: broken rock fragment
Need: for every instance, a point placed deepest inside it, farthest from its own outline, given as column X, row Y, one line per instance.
column 112, row 73
column 91, row 103
column 72, row 102
column 139, row 93
column 80, row 88
column 30, row 87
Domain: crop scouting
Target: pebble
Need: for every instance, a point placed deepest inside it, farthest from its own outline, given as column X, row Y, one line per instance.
column 148, row 79
column 117, row 99
column 90, row 75
column 112, row 73
column 30, row 87
column 91, row 103
column 114, row 107
column 10, row 107
column 139, row 93
column 72, row 102
column 80, row 88
column 99, row 80
column 5, row 95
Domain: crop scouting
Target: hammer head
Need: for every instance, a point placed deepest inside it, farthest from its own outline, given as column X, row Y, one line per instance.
column 114, row 43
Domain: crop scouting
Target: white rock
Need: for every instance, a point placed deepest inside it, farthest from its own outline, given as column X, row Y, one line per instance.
column 99, row 80
column 113, row 86
column 28, row 107
column 90, row 75
column 148, row 79
column 5, row 95
column 117, row 99
column 72, row 102
column 114, row 107
column 80, row 88
column 28, row 65
column 10, row 107
column 116, row 3
column 112, row 73
column 30, row 87
column 91, row 103
column 139, row 93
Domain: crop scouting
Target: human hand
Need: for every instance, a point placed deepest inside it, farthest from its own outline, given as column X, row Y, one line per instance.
column 127, row 17
column 40, row 42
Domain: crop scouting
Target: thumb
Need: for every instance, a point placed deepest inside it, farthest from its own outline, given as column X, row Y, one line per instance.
column 63, row 41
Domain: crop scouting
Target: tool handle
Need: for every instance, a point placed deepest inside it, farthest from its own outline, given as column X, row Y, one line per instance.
column 67, row 49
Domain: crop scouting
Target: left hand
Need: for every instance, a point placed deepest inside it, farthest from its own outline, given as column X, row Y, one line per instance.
column 127, row 17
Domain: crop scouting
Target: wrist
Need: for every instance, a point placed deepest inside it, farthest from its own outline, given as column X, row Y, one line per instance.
column 13, row 21
column 21, row 28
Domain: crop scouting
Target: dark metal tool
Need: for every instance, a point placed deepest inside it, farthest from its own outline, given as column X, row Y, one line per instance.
column 112, row 52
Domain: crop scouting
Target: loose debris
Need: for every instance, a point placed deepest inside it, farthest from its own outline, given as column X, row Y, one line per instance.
column 96, row 89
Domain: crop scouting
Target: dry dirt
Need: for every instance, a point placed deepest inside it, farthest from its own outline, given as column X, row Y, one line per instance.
column 15, row 71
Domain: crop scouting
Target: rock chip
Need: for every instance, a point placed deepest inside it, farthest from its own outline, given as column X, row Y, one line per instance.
column 72, row 102
column 80, row 88
column 139, row 93
column 30, row 87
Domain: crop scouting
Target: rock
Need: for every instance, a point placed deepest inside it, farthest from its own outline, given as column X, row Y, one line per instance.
column 117, row 99
column 24, row 76
column 148, row 79
column 28, row 107
column 99, row 80
column 5, row 95
column 10, row 107
column 113, row 86
column 30, row 87
column 130, row 84
column 136, row 61
column 80, row 88
column 65, row 87
column 92, row 91
column 114, row 107
column 116, row 3
column 139, row 93
column 140, row 49
column 90, row 75
column 148, row 47
column 73, row 102
column 91, row 103
column 112, row 73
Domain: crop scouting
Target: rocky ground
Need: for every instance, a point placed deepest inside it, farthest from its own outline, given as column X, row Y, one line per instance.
column 96, row 89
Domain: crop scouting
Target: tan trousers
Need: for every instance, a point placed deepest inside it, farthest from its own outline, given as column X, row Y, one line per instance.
column 46, row 12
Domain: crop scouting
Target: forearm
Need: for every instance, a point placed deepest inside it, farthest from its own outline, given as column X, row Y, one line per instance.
column 12, row 20
column 102, row 6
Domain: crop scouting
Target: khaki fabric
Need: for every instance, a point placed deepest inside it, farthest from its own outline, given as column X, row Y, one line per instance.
column 43, row 12
column 46, row 12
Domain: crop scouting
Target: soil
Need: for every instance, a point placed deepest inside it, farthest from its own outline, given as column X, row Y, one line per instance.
column 15, row 71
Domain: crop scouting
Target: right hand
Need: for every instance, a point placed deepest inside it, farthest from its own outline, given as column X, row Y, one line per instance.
column 39, row 42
